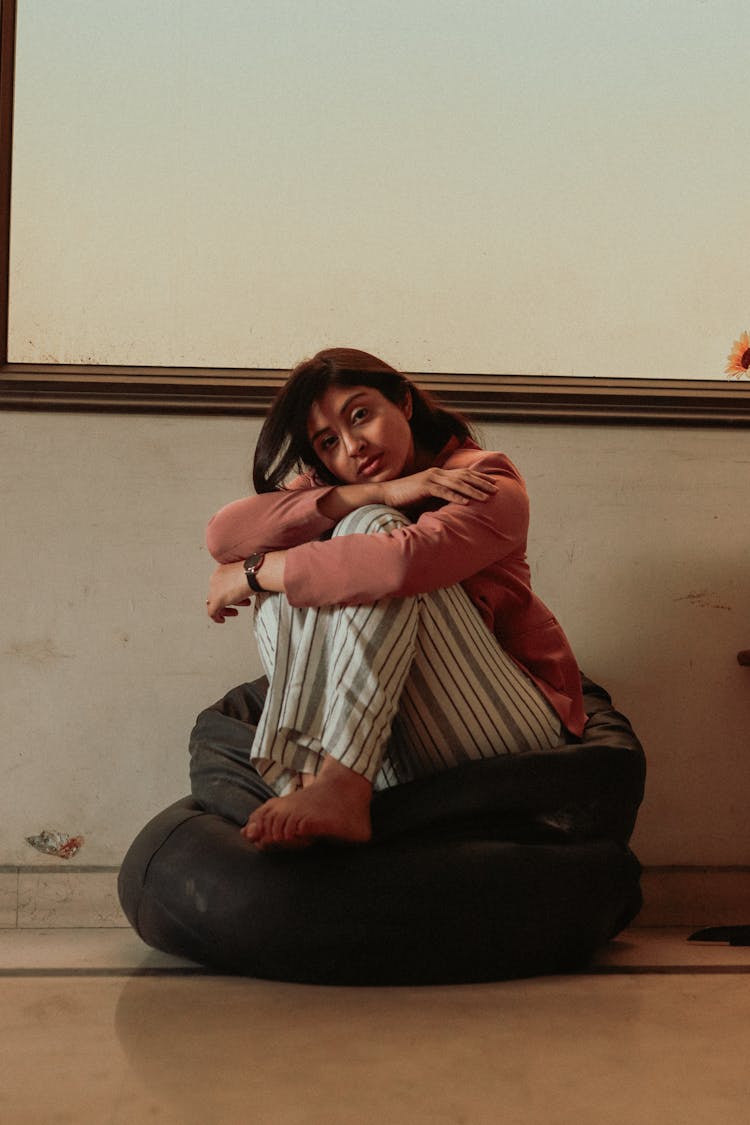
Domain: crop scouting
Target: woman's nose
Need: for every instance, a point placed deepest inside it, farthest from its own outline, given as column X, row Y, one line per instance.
column 354, row 444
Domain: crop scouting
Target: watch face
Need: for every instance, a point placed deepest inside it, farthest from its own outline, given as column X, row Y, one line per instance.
column 251, row 565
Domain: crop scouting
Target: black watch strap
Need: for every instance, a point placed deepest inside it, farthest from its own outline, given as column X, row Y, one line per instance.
column 252, row 566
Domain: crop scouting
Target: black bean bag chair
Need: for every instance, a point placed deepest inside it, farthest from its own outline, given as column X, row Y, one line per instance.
column 509, row 867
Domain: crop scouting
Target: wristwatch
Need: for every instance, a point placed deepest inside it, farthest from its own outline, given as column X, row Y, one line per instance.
column 252, row 566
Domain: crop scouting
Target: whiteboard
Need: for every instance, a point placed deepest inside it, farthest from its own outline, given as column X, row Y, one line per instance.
column 478, row 186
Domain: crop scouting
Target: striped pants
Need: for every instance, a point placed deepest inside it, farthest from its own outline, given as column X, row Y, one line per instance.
column 394, row 690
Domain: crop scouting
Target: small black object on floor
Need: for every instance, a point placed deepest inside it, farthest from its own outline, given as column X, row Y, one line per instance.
column 731, row 935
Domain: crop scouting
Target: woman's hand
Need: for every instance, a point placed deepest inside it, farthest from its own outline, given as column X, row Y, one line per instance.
column 227, row 589
column 458, row 486
column 228, row 586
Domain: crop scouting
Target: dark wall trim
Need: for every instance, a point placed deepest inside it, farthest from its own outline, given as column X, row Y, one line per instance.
column 7, row 63
column 517, row 398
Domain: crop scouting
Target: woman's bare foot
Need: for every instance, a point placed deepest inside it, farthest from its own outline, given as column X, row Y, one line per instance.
column 335, row 805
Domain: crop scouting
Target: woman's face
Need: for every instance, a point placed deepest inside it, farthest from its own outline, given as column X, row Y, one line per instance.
column 360, row 435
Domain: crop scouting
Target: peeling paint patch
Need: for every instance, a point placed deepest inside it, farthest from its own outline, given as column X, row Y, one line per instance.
column 40, row 651
column 56, row 843
column 703, row 599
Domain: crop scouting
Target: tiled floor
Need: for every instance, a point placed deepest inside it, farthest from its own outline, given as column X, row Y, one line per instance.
column 97, row 1028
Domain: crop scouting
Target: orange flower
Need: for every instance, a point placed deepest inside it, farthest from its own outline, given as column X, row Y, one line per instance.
column 738, row 360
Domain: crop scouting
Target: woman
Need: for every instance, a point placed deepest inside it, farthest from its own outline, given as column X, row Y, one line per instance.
column 395, row 616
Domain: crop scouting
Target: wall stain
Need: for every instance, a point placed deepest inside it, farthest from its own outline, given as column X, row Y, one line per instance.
column 703, row 599
column 40, row 651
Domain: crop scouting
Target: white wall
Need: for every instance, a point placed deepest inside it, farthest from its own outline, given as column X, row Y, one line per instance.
column 640, row 542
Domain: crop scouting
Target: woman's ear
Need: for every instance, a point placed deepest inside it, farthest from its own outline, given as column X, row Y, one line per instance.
column 407, row 406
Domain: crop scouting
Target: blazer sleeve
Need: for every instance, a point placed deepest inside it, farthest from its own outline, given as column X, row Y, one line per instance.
column 440, row 549
column 272, row 521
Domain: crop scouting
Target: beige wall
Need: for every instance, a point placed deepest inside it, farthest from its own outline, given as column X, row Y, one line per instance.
column 640, row 542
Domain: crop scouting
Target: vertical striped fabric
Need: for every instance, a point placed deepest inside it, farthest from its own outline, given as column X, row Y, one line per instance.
column 394, row 690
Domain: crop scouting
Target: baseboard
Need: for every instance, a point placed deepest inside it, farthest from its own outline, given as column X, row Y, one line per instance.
column 695, row 896
column 65, row 898
column 86, row 897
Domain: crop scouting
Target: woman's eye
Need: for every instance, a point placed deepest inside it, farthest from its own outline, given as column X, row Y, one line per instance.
column 359, row 414
column 327, row 443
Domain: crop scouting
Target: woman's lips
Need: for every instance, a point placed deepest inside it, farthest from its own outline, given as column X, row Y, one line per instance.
column 370, row 467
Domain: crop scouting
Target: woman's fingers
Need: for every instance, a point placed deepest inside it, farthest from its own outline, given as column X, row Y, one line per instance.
column 482, row 481
column 219, row 615
column 465, row 485
column 457, row 485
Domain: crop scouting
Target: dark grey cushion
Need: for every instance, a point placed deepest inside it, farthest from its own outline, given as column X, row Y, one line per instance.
column 508, row 867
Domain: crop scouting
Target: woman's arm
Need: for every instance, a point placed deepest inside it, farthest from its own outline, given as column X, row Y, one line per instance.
column 442, row 548
column 303, row 513
column 272, row 521
column 228, row 585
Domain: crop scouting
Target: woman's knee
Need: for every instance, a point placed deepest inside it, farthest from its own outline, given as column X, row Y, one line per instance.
column 371, row 519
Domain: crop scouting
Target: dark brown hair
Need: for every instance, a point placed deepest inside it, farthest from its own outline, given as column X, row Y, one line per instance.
column 284, row 447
